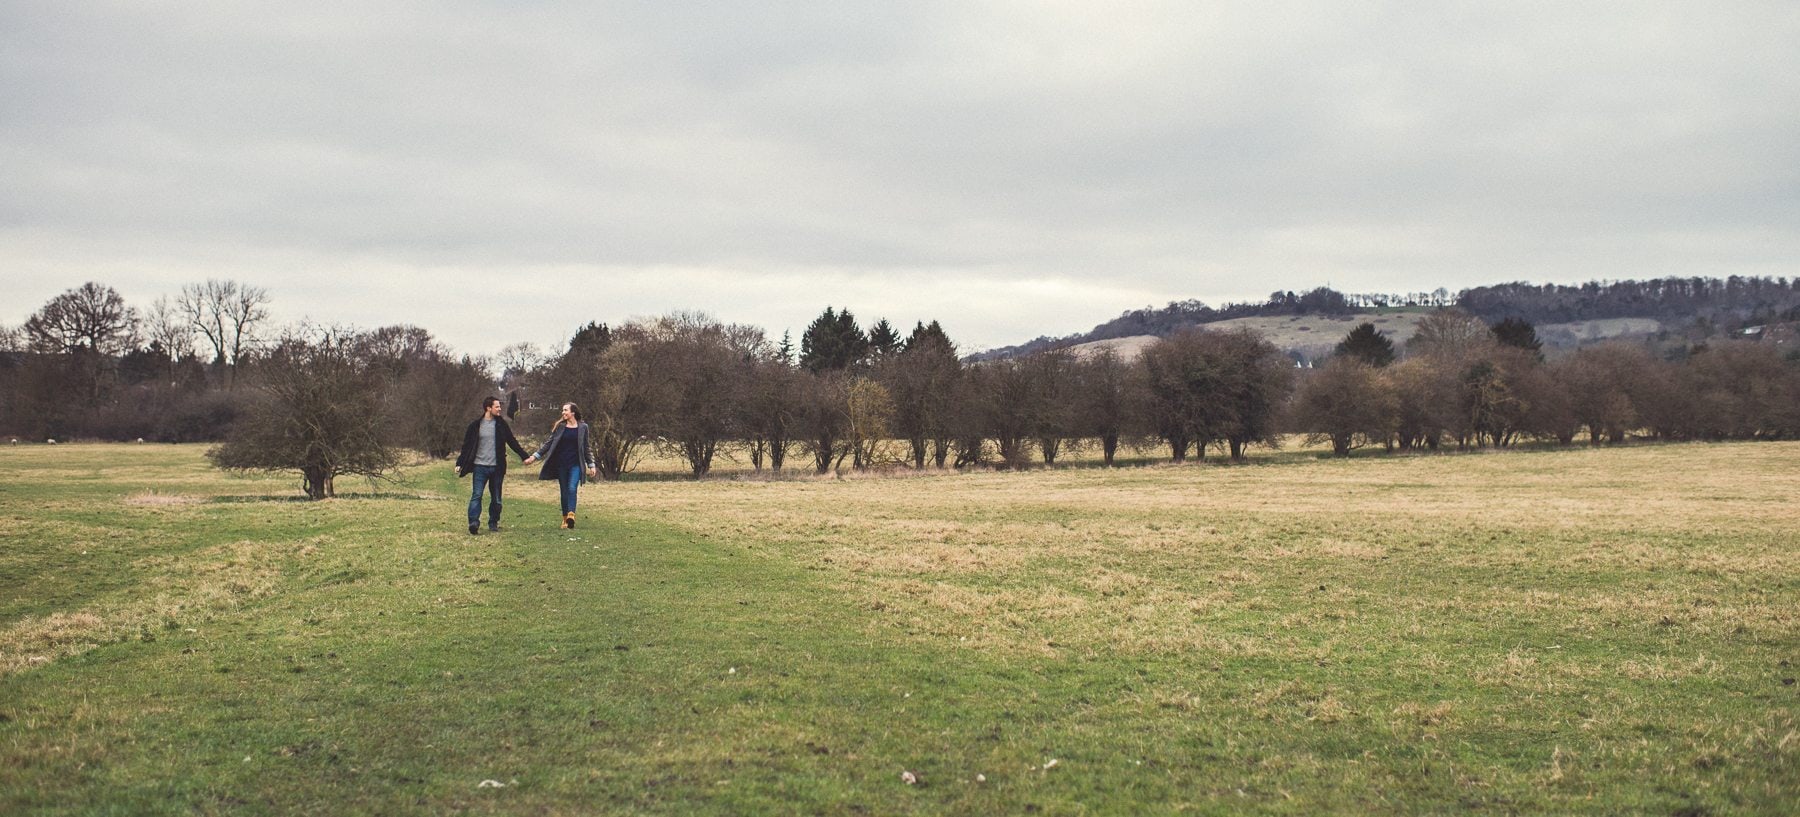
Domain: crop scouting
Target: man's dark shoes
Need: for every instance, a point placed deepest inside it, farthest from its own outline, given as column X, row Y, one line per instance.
column 475, row 529
column 493, row 529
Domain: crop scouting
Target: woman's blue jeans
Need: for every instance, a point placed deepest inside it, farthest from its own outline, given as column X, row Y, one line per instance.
column 570, row 483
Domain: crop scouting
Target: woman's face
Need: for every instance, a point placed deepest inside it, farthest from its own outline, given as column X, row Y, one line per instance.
column 568, row 414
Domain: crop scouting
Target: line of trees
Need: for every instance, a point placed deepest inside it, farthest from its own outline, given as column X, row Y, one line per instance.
column 689, row 386
column 88, row 364
column 331, row 401
column 1466, row 383
column 1724, row 302
column 206, row 364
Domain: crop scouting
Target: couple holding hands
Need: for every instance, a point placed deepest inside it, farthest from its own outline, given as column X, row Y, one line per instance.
column 565, row 454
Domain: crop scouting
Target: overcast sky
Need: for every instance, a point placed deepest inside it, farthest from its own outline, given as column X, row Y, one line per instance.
column 506, row 171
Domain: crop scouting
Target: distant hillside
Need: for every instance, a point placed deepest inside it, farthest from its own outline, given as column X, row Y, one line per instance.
column 1310, row 324
column 1311, row 337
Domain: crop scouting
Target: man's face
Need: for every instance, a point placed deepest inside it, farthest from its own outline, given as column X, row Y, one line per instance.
column 493, row 410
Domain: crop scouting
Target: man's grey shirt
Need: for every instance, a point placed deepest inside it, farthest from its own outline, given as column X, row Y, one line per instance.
column 486, row 452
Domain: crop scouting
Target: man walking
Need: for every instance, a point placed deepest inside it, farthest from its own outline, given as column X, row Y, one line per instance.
column 481, row 456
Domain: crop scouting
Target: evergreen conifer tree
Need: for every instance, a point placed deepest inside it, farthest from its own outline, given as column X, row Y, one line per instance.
column 1367, row 344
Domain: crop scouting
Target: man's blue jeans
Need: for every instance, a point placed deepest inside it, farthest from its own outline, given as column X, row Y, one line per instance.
column 570, row 482
column 488, row 477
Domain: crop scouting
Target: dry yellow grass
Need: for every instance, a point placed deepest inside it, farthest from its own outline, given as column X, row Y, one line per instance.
column 1137, row 558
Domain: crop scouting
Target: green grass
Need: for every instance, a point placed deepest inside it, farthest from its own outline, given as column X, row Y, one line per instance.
column 1591, row 632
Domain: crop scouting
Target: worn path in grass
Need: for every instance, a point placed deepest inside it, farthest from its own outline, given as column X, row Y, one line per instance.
column 365, row 655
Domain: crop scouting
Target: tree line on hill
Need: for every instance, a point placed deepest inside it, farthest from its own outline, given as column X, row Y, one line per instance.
column 1707, row 307
column 328, row 401
column 1728, row 304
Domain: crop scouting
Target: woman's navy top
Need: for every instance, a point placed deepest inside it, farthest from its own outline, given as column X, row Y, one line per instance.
column 568, row 451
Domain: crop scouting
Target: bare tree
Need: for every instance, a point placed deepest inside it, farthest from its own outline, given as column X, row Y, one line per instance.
column 1606, row 388
column 1052, row 376
column 167, row 327
column 1185, row 387
column 1450, row 333
column 519, row 360
column 1347, row 403
column 317, row 409
column 771, row 413
column 705, row 365
column 1103, row 400
column 431, row 389
column 90, row 317
column 824, row 418
column 1744, row 390
column 870, row 410
column 1422, row 391
column 613, row 374
column 1258, row 382
column 92, row 326
column 1006, row 406
column 228, row 315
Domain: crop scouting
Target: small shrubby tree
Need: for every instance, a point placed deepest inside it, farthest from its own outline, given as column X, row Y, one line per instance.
column 1744, row 390
column 316, row 409
column 1202, row 387
column 1006, row 405
column 706, row 368
column 770, row 412
column 1420, row 391
column 1259, row 381
column 435, row 400
column 431, row 393
column 824, row 418
column 615, row 377
column 1606, row 385
column 1180, row 387
column 1052, row 381
column 1347, row 403
column 870, row 410
column 1103, row 400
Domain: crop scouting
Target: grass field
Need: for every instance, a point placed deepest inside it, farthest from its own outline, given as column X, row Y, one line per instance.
column 1568, row 632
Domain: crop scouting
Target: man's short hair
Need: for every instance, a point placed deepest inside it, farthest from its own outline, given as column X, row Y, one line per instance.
column 488, row 402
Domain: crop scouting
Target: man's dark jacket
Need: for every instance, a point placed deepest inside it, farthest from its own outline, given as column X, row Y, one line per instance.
column 465, row 462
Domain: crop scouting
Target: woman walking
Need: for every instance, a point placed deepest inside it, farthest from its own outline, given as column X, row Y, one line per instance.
column 566, row 455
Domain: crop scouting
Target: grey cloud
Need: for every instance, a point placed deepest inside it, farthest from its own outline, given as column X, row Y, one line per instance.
column 1147, row 151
